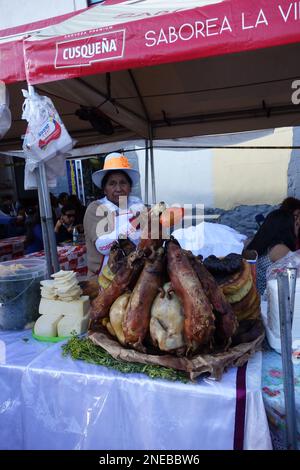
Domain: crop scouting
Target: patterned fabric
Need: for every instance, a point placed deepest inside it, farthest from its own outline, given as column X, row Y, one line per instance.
column 263, row 263
column 273, row 396
column 71, row 258
column 12, row 248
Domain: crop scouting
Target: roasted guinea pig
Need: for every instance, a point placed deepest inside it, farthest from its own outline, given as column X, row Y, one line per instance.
column 137, row 317
column 167, row 319
column 226, row 322
column 115, row 261
column 198, row 315
column 115, row 258
column 125, row 276
column 90, row 288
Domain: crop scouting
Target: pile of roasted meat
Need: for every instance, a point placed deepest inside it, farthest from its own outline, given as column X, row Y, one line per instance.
column 158, row 297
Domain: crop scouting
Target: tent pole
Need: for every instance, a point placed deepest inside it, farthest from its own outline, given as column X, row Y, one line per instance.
column 48, row 217
column 285, row 316
column 43, row 223
column 146, row 172
column 152, row 165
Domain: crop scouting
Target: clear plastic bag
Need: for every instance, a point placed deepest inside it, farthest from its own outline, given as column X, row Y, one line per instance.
column 5, row 120
column 55, row 167
column 5, row 114
column 46, row 135
column 291, row 260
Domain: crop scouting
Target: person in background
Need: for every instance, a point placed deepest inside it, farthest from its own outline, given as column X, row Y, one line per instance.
column 79, row 210
column 7, row 225
column 105, row 220
column 292, row 205
column 34, row 235
column 20, row 221
column 66, row 223
column 8, row 207
column 275, row 238
column 56, row 211
column 62, row 201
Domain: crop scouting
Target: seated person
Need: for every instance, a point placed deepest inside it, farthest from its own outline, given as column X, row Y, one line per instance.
column 61, row 201
column 21, row 222
column 105, row 220
column 79, row 210
column 66, row 223
column 7, row 225
column 34, row 235
column 275, row 238
column 292, row 205
column 56, row 211
column 7, row 206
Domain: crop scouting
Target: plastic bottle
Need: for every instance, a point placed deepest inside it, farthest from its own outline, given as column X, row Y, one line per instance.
column 75, row 236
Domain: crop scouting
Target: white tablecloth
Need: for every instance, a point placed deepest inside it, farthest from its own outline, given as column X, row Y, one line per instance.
column 51, row 402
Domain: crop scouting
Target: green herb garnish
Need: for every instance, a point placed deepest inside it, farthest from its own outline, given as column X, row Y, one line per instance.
column 83, row 349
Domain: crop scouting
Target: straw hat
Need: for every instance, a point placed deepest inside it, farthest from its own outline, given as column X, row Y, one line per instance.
column 114, row 162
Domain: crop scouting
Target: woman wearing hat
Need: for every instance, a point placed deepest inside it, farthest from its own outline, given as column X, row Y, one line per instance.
column 113, row 216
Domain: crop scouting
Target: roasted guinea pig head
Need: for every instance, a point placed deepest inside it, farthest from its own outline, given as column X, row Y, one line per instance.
column 90, row 288
column 171, row 243
column 116, row 257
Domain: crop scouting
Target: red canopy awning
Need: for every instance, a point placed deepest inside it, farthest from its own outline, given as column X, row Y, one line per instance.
column 177, row 70
column 12, row 68
column 116, row 36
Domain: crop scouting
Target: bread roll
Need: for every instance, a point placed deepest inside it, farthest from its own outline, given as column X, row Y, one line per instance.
column 246, row 302
column 241, row 293
column 237, row 280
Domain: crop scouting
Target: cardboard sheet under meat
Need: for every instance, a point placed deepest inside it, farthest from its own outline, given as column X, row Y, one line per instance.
column 214, row 364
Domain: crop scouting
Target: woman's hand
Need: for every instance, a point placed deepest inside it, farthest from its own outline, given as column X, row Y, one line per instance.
column 70, row 228
column 80, row 228
column 58, row 225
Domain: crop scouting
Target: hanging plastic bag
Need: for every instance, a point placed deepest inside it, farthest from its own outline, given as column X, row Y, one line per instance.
column 5, row 120
column 46, row 135
column 5, row 114
column 53, row 168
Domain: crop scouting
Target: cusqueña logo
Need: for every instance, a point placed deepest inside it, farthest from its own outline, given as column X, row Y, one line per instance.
column 85, row 51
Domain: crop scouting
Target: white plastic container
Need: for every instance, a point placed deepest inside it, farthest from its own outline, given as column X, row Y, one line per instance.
column 20, row 292
column 271, row 315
